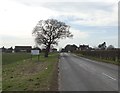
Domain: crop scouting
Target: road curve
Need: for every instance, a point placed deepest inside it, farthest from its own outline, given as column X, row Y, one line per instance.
column 81, row 74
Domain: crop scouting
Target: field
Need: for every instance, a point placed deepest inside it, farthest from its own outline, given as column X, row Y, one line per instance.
column 20, row 73
column 8, row 58
column 109, row 56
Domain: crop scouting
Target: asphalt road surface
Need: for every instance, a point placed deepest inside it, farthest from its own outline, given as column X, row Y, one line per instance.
column 81, row 74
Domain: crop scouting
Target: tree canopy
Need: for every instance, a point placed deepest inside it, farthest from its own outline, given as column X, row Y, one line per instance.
column 48, row 32
column 102, row 46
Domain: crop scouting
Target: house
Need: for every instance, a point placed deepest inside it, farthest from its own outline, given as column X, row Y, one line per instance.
column 7, row 50
column 63, row 50
column 83, row 47
column 22, row 48
column 3, row 49
column 54, row 50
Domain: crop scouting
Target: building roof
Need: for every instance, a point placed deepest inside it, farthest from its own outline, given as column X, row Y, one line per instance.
column 21, row 47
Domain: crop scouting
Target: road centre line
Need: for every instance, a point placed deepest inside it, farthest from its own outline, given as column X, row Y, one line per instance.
column 109, row 76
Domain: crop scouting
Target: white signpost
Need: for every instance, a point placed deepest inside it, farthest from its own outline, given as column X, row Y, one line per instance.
column 35, row 52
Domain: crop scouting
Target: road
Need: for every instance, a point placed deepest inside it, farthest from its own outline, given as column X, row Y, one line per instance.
column 81, row 74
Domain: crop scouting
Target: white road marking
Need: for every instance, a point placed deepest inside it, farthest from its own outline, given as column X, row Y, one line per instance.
column 109, row 76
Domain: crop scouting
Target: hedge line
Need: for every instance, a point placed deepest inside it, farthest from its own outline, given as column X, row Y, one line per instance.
column 113, row 55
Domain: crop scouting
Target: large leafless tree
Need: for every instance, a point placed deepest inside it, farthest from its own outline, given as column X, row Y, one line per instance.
column 48, row 32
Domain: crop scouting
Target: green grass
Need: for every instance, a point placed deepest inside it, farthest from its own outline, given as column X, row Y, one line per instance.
column 8, row 58
column 30, row 74
column 99, row 60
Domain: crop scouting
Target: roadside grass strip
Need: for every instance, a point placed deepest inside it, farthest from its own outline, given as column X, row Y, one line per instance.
column 30, row 75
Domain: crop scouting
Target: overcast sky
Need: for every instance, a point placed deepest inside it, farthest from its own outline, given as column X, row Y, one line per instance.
column 92, row 21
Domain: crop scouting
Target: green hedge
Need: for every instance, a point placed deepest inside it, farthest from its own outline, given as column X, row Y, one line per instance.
column 113, row 55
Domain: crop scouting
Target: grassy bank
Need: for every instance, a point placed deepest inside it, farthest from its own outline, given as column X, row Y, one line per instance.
column 31, row 75
column 98, row 59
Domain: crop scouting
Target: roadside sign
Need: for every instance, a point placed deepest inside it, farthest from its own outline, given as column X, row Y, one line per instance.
column 35, row 52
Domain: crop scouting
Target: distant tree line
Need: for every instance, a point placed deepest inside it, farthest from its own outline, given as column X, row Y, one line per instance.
column 26, row 49
column 83, row 47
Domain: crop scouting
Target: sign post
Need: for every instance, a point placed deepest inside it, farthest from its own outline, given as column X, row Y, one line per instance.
column 35, row 52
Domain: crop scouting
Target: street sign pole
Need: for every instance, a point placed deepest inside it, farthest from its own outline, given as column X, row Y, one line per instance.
column 38, row 57
column 31, row 56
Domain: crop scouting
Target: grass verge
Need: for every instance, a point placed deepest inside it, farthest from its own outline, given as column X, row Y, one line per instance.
column 31, row 75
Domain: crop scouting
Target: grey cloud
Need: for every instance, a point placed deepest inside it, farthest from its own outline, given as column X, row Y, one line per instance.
column 69, row 18
column 70, row 6
column 79, row 6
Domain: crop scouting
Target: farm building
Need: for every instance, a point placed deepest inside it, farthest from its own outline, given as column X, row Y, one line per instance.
column 23, row 48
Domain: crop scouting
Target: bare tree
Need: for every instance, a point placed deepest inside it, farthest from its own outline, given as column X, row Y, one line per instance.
column 102, row 46
column 48, row 32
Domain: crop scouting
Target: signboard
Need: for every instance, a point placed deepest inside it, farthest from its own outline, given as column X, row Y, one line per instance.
column 35, row 52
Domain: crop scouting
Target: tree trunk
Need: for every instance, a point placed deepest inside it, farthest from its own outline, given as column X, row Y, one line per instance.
column 47, row 51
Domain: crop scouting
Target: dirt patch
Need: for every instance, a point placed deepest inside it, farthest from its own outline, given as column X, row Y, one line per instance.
column 35, row 68
column 31, row 68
